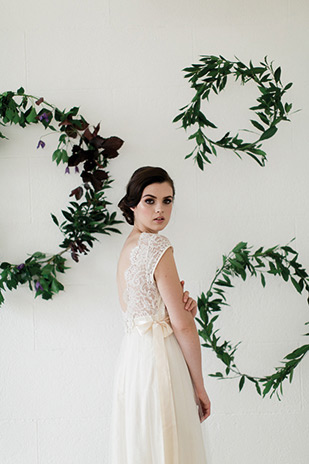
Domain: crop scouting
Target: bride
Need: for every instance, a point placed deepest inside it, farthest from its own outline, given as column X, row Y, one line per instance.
column 159, row 398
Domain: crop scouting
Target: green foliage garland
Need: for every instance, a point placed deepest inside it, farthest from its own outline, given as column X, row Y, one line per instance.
column 82, row 219
column 239, row 262
column 211, row 76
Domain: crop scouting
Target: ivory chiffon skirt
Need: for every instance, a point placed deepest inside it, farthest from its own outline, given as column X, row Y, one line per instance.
column 141, row 427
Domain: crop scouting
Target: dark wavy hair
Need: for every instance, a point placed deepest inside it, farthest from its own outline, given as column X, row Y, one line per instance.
column 142, row 177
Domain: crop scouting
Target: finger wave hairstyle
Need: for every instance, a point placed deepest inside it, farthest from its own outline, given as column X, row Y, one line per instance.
column 142, row 177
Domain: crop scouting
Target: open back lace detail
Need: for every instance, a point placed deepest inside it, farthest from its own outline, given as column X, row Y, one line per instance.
column 141, row 295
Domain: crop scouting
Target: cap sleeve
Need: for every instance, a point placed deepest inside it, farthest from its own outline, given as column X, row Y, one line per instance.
column 157, row 246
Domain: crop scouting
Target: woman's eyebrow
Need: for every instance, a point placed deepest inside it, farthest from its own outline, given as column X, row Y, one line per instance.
column 153, row 196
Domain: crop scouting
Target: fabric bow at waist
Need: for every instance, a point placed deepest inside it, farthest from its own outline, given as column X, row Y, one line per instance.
column 147, row 322
column 161, row 329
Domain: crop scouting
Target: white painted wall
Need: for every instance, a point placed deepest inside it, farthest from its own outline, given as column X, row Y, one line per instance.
column 121, row 63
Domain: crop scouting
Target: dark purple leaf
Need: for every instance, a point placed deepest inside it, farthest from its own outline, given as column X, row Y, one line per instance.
column 86, row 176
column 87, row 134
column 96, row 130
column 113, row 142
column 81, row 247
column 66, row 122
column 79, row 155
column 97, row 141
column 89, row 165
column 78, row 192
column 110, row 153
column 100, row 175
column 97, row 184
column 74, row 256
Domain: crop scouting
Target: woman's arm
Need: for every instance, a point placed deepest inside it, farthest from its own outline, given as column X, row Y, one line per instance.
column 190, row 303
column 182, row 322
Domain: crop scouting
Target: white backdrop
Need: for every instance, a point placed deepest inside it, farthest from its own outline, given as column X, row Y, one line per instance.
column 122, row 62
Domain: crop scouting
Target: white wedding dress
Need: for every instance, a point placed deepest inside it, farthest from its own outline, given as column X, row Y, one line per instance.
column 154, row 414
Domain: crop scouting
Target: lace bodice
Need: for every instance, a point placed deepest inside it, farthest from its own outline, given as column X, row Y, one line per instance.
column 141, row 295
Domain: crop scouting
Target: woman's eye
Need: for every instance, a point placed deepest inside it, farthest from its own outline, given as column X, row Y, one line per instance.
column 168, row 201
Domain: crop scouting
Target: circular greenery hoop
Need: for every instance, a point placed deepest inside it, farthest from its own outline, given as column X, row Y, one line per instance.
column 82, row 219
column 239, row 262
column 211, row 76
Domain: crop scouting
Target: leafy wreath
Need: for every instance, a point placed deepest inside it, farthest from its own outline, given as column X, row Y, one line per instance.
column 83, row 219
column 237, row 263
column 211, row 76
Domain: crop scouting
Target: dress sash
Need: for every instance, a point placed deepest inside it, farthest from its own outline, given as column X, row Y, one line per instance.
column 161, row 329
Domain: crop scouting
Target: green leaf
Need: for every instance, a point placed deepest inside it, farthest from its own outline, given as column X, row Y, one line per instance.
column 288, row 107
column 39, row 255
column 177, row 118
column 62, row 138
column 5, row 265
column 239, row 246
column 267, row 387
column 226, row 359
column 257, row 388
column 262, row 89
column 289, row 85
column 296, row 285
column 59, row 116
column 217, row 374
column 199, row 138
column 64, row 156
column 269, row 133
column 298, row 352
column 199, row 160
column 73, row 111
column 263, row 118
column 54, row 286
column 263, row 280
column 20, row 91
column 57, row 156
column 54, row 219
column 32, row 116
column 241, row 382
column 257, row 125
column 47, row 269
column 277, row 74
column 67, row 215
column 223, row 283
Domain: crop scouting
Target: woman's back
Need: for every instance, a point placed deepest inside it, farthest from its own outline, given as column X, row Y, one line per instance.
column 138, row 292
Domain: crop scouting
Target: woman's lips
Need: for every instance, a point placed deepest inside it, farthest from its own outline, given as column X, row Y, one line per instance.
column 159, row 220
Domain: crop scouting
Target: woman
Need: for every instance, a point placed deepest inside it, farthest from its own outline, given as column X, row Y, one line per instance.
column 159, row 397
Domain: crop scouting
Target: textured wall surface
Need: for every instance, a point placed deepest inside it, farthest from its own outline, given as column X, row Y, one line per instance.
column 121, row 63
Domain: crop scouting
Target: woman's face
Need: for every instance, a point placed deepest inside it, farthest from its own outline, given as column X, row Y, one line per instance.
column 156, row 201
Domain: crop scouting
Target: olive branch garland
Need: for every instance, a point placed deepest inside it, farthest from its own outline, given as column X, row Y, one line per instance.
column 240, row 262
column 210, row 75
column 82, row 219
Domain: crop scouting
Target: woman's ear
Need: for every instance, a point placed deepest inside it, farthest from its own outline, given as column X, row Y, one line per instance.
column 132, row 208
